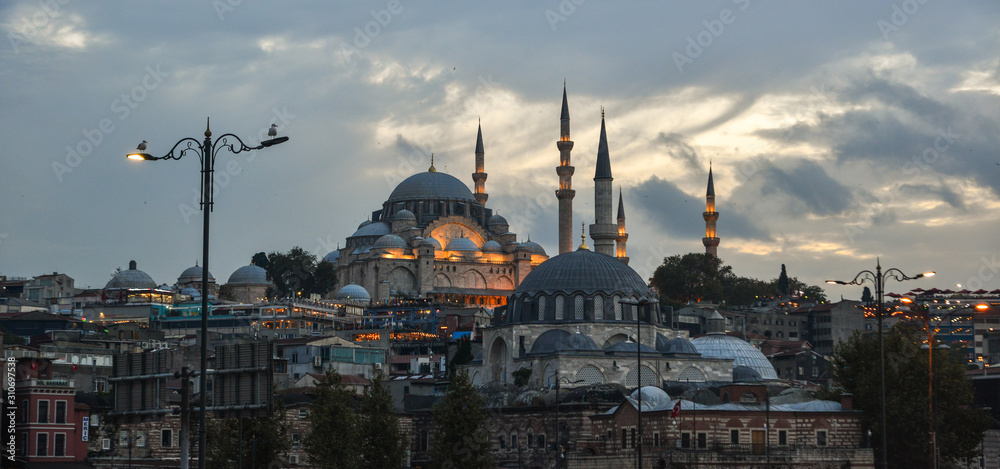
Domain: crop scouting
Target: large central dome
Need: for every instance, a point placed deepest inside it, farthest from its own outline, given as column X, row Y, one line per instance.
column 583, row 271
column 431, row 185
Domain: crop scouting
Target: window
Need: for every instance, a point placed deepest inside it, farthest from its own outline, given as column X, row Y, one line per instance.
column 166, row 438
column 624, row 438
column 293, row 459
column 503, row 441
column 106, row 443
column 782, row 437
column 702, row 441
column 685, row 440
column 821, row 438
column 513, row 440
column 656, row 440
column 140, row 438
column 22, row 449
column 303, row 413
column 59, row 444
column 296, row 440
column 43, row 412
column 633, row 438
column 123, row 439
column 541, row 441
column 60, row 412
column 734, row 437
column 24, row 411
column 42, row 446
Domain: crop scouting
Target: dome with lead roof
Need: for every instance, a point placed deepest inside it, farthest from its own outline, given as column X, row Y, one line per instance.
column 332, row 257
column 431, row 242
column 372, row 229
column 462, row 244
column 431, row 185
column 353, row 292
column 492, row 246
column 364, row 224
column 583, row 271
column 404, row 215
column 132, row 278
column 677, row 345
column 497, row 220
column 249, row 275
column 737, row 350
column 534, row 247
column 192, row 274
column 390, row 241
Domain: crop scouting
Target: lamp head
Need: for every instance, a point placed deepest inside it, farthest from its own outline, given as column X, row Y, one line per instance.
column 836, row 282
column 982, row 307
column 927, row 274
column 273, row 141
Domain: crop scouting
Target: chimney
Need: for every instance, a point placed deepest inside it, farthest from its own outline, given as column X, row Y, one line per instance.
column 847, row 401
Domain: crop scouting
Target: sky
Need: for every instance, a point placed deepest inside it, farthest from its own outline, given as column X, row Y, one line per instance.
column 839, row 133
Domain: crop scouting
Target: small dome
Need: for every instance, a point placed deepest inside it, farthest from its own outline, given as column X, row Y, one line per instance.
column 462, row 244
column 131, row 278
column 743, row 374
column 361, row 250
column 372, row 229
column 192, row 274
column 404, row 215
column 737, row 350
column 332, row 257
column 432, row 243
column 353, row 292
column 676, row 345
column 497, row 220
column 249, row 274
column 651, row 394
column 549, row 341
column 629, row 347
column 390, row 241
column 364, row 224
column 492, row 246
column 189, row 291
column 523, row 247
column 535, row 248
column 577, row 343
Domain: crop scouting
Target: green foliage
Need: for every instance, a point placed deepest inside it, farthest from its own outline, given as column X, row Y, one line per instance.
column 959, row 427
column 382, row 443
column 332, row 442
column 463, row 355
column 460, row 438
column 263, row 441
column 296, row 273
column 521, row 377
column 260, row 260
column 866, row 295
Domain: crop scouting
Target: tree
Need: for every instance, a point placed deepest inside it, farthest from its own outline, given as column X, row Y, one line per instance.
column 866, row 295
column 782, row 283
column 691, row 277
column 260, row 260
column 463, row 355
column 521, row 377
column 960, row 428
column 460, row 438
column 332, row 417
column 296, row 273
column 260, row 440
column 382, row 443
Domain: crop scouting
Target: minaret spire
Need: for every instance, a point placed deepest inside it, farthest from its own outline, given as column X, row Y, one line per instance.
column 603, row 231
column 711, row 239
column 565, row 192
column 622, row 238
column 479, row 177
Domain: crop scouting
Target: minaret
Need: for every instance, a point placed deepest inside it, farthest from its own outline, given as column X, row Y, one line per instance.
column 603, row 231
column 565, row 193
column 711, row 241
column 480, row 175
column 622, row 238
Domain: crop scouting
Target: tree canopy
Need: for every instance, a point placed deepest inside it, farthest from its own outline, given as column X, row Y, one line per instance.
column 297, row 272
column 960, row 428
column 460, row 438
column 259, row 440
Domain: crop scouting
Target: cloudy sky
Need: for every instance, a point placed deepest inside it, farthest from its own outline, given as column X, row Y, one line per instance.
column 838, row 131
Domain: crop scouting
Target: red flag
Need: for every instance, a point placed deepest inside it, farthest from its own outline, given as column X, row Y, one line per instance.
column 677, row 409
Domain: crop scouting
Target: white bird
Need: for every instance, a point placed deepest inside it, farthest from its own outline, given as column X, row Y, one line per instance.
column 142, row 146
column 273, row 131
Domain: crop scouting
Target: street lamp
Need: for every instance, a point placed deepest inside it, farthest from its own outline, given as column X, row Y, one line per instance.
column 558, row 442
column 206, row 150
column 878, row 278
column 638, row 303
column 931, row 332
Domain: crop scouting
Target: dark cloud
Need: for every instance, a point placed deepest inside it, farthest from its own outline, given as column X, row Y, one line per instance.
column 678, row 148
column 678, row 214
column 940, row 191
column 799, row 185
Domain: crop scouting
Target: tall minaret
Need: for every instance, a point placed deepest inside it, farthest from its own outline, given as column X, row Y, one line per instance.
column 480, row 175
column 565, row 193
column 603, row 231
column 622, row 238
column 711, row 241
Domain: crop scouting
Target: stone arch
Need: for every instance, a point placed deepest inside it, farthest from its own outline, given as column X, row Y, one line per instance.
column 505, row 283
column 474, row 279
column 615, row 339
column 402, row 279
column 649, row 377
column 477, row 379
column 498, row 358
column 442, row 280
column 691, row 373
column 820, row 424
column 589, row 374
column 734, row 423
column 548, row 376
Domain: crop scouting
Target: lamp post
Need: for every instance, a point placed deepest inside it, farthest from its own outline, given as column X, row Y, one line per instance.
column 558, row 441
column 206, row 150
column 931, row 332
column 638, row 303
column 878, row 278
